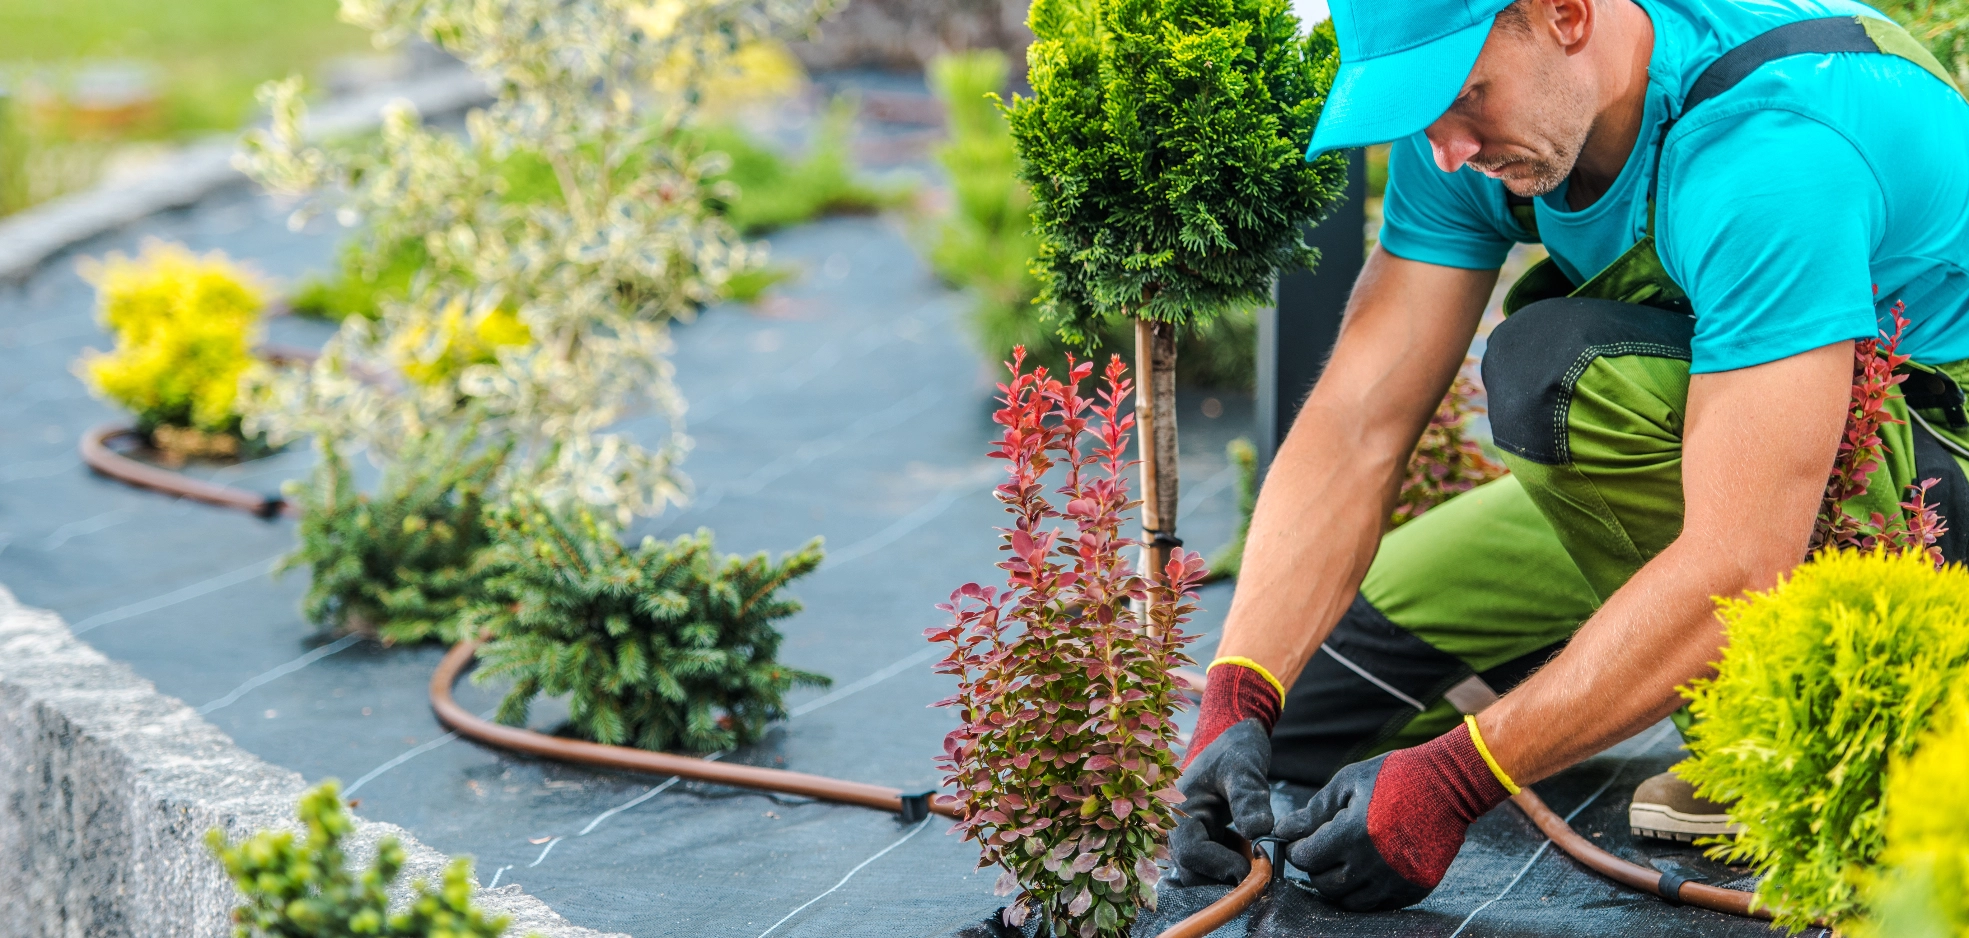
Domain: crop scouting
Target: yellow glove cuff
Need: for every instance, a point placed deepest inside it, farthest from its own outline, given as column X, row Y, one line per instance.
column 1244, row 662
column 1470, row 720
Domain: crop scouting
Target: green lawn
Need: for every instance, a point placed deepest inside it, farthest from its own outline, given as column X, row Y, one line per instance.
column 210, row 54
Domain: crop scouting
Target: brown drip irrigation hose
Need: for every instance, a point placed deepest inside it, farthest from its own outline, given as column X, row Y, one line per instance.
column 910, row 807
column 98, row 455
column 1675, row 889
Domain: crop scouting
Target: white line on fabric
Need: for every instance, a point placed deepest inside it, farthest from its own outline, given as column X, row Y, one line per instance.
column 1207, row 490
column 279, row 672
column 851, row 875
column 902, row 526
column 865, row 683
column 1540, row 852
column 827, row 445
column 544, row 851
column 407, row 756
column 399, row 760
column 639, row 799
column 90, row 525
column 495, row 876
column 200, row 588
column 1363, row 672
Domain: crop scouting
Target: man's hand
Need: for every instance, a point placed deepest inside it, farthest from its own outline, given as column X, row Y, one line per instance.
column 1381, row 834
column 1224, row 779
column 1224, row 786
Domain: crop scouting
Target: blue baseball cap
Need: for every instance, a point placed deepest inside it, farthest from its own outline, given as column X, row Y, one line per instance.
column 1402, row 63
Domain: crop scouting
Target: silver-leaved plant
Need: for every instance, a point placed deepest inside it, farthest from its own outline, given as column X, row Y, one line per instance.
column 545, row 318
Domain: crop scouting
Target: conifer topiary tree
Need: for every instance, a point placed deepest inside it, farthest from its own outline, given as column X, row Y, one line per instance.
column 306, row 890
column 666, row 646
column 1164, row 145
column 398, row 564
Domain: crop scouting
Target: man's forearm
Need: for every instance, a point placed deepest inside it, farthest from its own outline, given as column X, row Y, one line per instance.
column 1757, row 451
column 1329, row 490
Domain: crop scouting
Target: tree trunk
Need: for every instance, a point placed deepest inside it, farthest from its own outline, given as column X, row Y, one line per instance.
column 1155, row 429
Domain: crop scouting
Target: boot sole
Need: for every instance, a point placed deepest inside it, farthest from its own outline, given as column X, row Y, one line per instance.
column 1665, row 823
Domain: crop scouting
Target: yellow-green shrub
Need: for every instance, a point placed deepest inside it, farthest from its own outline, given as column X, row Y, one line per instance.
column 184, row 328
column 1925, row 891
column 1827, row 678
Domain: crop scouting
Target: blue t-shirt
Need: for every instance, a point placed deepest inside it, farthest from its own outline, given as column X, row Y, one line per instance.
column 1782, row 203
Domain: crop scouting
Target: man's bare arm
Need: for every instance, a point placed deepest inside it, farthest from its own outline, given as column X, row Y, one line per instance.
column 1332, row 485
column 1756, row 454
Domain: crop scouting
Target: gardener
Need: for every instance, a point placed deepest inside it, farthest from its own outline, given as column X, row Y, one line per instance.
column 1731, row 192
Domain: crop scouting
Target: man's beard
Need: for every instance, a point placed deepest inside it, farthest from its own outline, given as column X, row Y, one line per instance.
column 1559, row 129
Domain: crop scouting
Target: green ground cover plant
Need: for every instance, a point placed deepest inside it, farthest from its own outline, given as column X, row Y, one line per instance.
column 184, row 327
column 400, row 564
column 985, row 244
column 1923, row 892
column 1062, row 765
column 305, row 888
column 668, row 645
column 1828, row 678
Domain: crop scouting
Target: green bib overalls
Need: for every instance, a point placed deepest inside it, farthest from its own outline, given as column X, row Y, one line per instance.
column 1587, row 385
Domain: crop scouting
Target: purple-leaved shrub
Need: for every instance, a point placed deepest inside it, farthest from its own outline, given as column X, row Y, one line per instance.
column 1062, row 767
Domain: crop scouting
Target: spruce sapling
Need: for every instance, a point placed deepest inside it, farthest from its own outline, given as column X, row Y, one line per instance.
column 397, row 565
column 664, row 646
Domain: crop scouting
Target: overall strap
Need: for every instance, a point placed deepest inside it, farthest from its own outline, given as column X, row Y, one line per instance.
column 1821, row 36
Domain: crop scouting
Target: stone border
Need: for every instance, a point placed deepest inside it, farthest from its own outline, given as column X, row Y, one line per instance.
column 107, row 788
column 31, row 236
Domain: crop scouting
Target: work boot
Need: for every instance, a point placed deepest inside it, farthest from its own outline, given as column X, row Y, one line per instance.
column 1667, row 807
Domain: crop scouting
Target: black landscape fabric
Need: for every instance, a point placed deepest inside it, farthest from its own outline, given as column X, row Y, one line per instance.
column 848, row 405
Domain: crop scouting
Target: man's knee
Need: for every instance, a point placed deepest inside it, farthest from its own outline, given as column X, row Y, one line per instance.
column 1535, row 359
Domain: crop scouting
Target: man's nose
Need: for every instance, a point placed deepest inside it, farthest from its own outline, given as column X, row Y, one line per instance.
column 1451, row 147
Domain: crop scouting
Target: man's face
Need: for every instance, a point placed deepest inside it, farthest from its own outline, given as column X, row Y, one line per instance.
column 1523, row 114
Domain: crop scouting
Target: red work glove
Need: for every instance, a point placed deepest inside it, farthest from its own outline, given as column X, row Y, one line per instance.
column 1234, row 693
column 1381, row 834
column 1224, row 781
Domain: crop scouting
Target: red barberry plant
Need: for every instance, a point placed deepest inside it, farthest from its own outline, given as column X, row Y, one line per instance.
column 1447, row 461
column 1861, row 450
column 1062, row 767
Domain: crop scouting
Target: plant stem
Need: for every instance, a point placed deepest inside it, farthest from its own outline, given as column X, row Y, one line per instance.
column 1155, row 419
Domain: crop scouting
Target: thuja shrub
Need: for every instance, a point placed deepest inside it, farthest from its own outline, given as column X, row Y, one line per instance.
column 305, row 888
column 1827, row 678
column 1924, row 892
column 184, row 326
column 669, row 645
column 398, row 564
column 1062, row 766
column 1447, row 461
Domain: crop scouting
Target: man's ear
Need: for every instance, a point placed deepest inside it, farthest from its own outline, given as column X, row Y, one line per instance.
column 1569, row 22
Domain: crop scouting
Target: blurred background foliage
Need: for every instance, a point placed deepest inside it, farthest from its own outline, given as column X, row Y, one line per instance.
column 98, row 87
